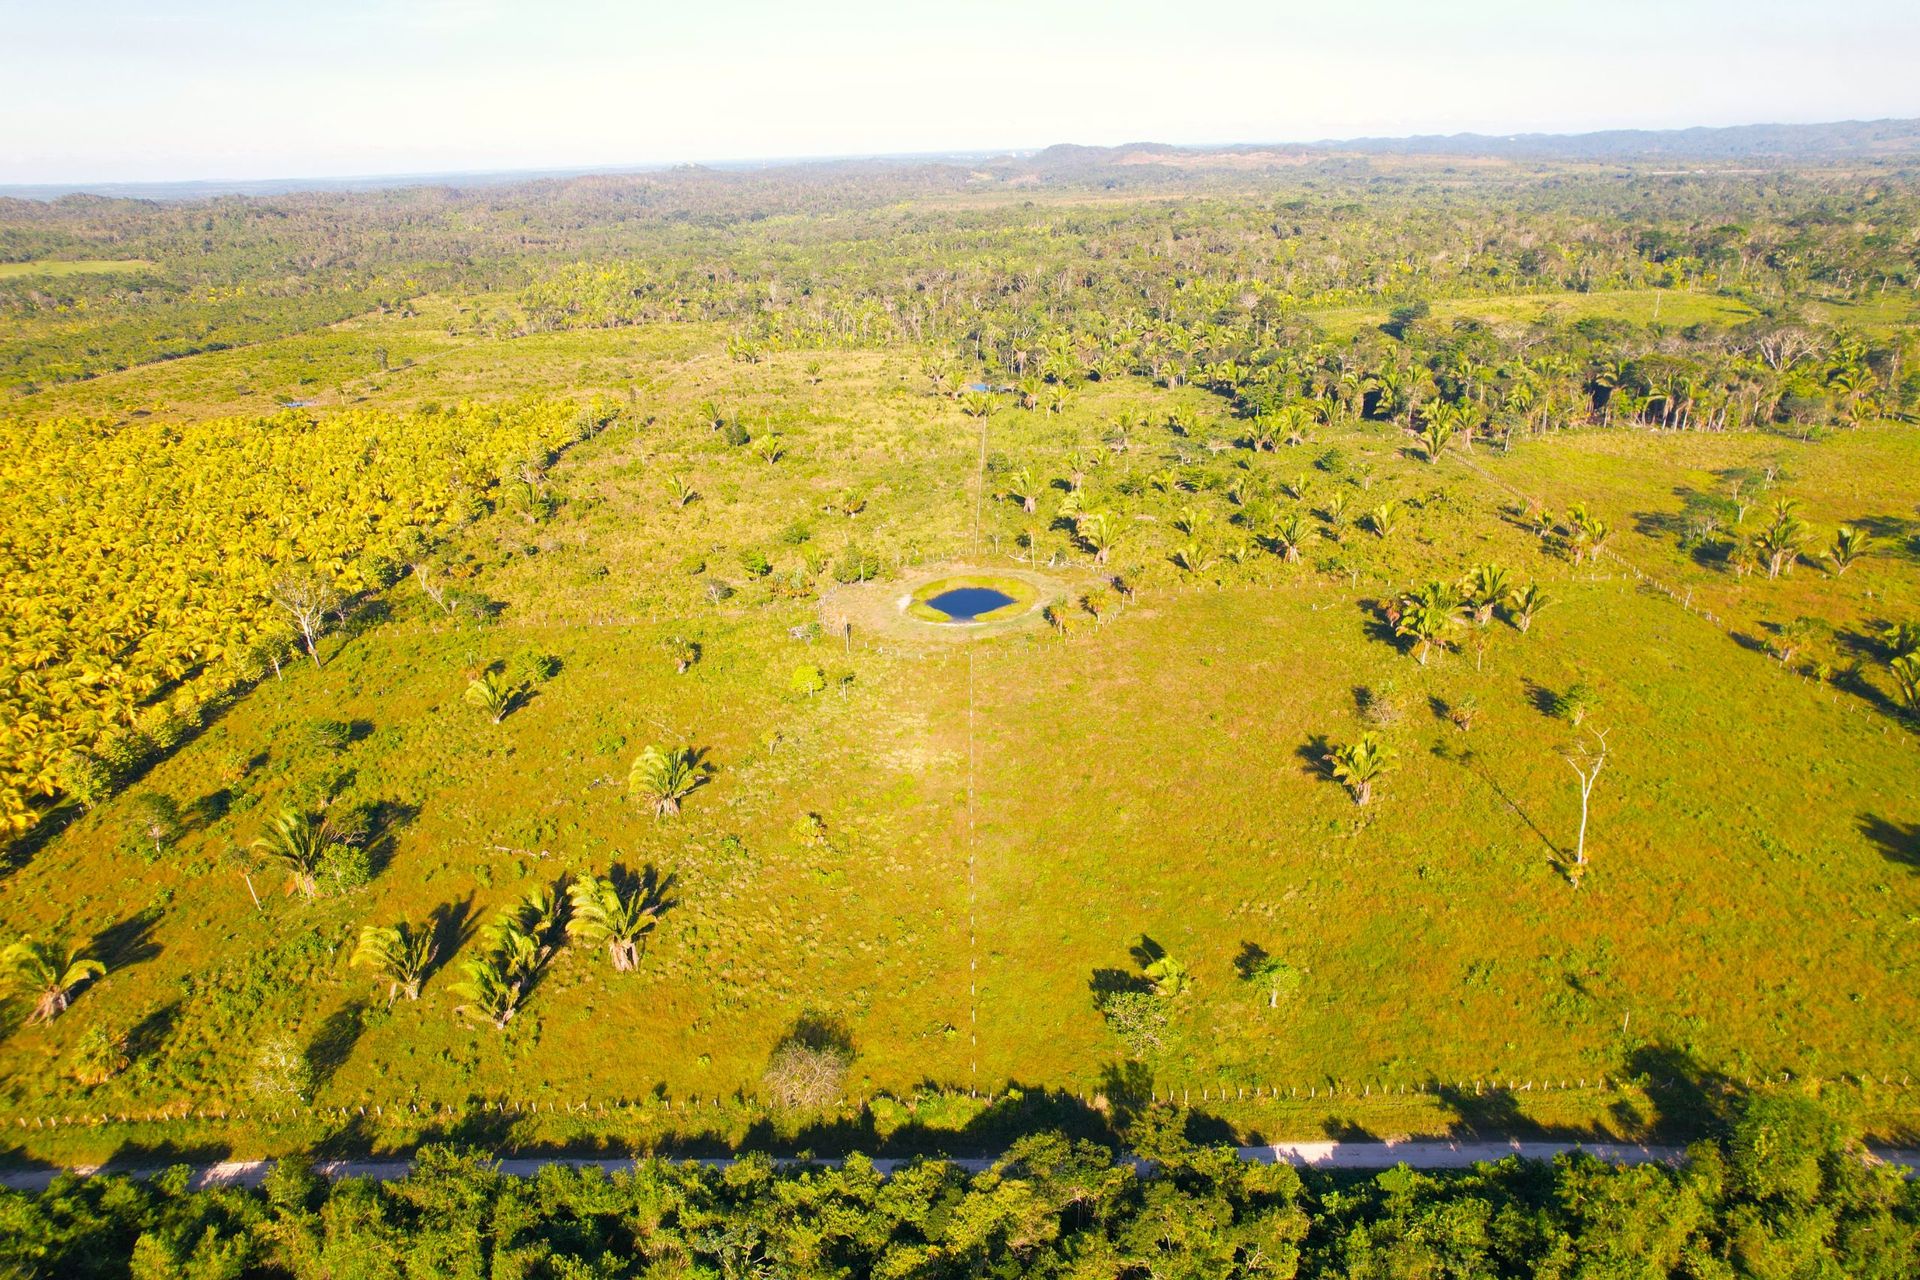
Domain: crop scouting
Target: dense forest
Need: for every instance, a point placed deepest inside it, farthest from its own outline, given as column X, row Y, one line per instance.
column 1783, row 1193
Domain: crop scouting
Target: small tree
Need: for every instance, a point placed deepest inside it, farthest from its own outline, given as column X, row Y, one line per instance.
column 49, row 972
column 665, row 778
column 490, row 990
column 155, row 821
column 682, row 651
column 306, row 599
column 1361, row 764
column 1576, row 703
column 1384, row 518
column 100, row 1055
column 1169, row 977
column 1274, row 977
column 1905, row 671
column 246, row 860
column 398, row 954
column 1290, row 533
column 1586, row 761
column 1022, row 489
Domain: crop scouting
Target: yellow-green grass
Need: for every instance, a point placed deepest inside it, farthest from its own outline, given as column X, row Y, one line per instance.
column 1672, row 307
column 1003, row 820
column 75, row 267
column 1022, row 596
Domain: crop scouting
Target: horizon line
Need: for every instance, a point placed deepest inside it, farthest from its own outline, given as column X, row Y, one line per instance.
column 294, row 183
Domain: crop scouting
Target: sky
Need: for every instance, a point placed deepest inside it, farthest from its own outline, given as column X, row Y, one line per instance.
column 166, row 90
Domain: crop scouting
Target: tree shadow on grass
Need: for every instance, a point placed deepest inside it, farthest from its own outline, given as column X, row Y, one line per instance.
column 148, row 1036
column 332, row 1044
column 1470, row 760
column 453, row 925
column 1898, row 842
column 130, row 942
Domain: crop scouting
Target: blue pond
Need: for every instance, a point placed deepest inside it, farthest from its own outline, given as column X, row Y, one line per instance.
column 964, row 604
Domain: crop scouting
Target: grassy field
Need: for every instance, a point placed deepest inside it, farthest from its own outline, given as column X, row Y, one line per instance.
column 939, row 846
column 74, row 267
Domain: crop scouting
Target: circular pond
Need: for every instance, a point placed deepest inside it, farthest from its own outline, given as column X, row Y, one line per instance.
column 970, row 599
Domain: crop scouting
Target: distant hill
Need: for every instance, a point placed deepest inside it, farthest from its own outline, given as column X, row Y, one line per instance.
column 1071, row 163
column 1847, row 138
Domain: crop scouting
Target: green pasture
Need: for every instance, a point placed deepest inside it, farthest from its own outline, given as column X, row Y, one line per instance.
column 940, row 847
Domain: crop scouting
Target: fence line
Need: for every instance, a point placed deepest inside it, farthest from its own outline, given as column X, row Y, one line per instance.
column 1182, row 1094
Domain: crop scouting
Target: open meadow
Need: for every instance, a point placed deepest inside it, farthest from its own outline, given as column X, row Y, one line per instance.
column 1111, row 847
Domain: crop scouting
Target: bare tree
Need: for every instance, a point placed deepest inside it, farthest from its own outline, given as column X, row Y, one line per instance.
column 307, row 599
column 1586, row 761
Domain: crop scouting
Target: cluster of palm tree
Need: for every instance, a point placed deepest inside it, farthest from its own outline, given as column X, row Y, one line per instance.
column 1426, row 615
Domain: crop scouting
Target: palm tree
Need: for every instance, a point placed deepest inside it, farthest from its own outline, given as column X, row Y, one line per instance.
column 664, row 778
column 1900, row 640
column 49, row 970
column 490, row 990
column 1849, row 544
column 1485, row 586
column 1779, row 543
column 493, row 693
column 1290, row 532
column 1169, row 977
column 1905, row 670
column 603, row 914
column 681, row 490
column 1589, row 532
column 1425, row 616
column 1384, row 517
column 1524, row 602
column 398, row 953
column 1360, row 764
column 1020, row 487
column 1436, row 431
column 1194, row 556
column 1098, row 530
column 297, row 841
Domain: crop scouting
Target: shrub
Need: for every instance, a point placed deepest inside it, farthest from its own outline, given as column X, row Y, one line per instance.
column 281, row 1072
column 327, row 735
column 809, row 1066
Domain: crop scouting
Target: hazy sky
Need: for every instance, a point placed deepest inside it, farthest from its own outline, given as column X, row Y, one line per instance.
column 95, row 90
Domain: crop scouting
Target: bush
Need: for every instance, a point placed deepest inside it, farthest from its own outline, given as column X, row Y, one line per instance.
column 856, row 564
column 281, row 1072
column 327, row 735
column 755, row 563
column 809, row 1067
column 531, row 666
